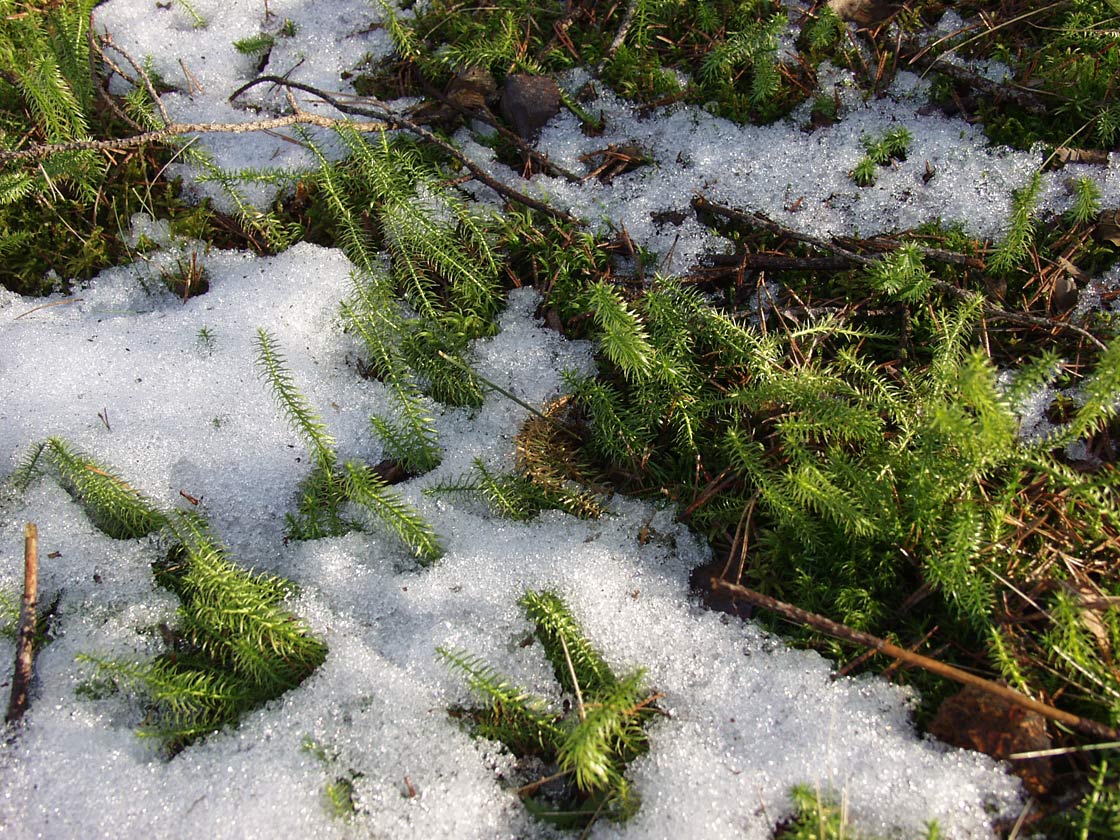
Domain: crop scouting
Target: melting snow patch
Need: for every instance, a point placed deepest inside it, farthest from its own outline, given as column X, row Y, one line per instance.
column 745, row 720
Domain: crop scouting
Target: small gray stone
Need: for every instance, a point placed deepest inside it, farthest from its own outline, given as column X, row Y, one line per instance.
column 528, row 102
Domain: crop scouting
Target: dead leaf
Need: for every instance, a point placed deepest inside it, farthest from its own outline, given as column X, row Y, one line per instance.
column 528, row 102
column 471, row 89
column 1073, row 271
column 978, row 720
column 1108, row 227
column 1063, row 292
column 1064, row 155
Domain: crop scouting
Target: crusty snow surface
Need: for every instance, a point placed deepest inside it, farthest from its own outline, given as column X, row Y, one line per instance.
column 167, row 393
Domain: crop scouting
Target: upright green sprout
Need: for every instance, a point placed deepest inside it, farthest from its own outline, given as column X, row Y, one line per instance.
column 591, row 744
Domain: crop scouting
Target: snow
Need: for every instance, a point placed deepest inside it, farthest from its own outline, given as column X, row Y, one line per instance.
column 167, row 393
column 744, row 714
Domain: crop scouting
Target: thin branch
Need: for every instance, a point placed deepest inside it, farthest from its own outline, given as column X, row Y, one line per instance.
column 47, row 306
column 757, row 220
column 176, row 129
column 394, row 120
column 532, row 787
column 1107, row 745
column 850, row 634
column 94, row 51
column 25, row 648
column 620, row 36
column 496, row 387
column 107, row 40
column 1026, row 98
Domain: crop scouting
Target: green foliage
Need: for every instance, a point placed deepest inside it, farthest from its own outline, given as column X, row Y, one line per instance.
column 754, row 49
column 44, row 53
column 1098, row 812
column 1069, row 53
column 259, row 43
column 319, row 508
column 1017, row 242
column 863, row 482
column 571, row 654
column 273, row 233
column 592, row 747
column 647, row 50
column 864, row 172
column 498, row 47
column 339, row 794
column 892, row 145
column 114, row 507
column 516, row 496
column 440, row 251
column 442, row 261
column 517, row 718
column 374, row 315
column 1099, row 404
column 47, row 95
column 63, row 215
column 235, row 646
column 404, row 38
column 300, row 415
column 264, row 229
column 621, row 338
column 590, row 751
column 823, row 33
column 196, row 18
column 9, row 614
column 1086, row 201
column 367, row 489
column 902, row 275
column 330, row 486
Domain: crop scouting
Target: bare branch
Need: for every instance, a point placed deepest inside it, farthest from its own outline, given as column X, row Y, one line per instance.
column 850, row 634
column 25, row 649
column 757, row 220
column 176, row 129
column 377, row 108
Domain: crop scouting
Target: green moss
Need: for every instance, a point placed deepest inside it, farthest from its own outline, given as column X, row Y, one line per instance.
column 590, row 746
column 234, row 647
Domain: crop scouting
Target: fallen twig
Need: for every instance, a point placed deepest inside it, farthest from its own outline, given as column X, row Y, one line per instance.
column 850, row 634
column 175, row 129
column 1026, row 98
column 394, row 120
column 47, row 306
column 25, row 646
column 757, row 220
column 620, row 36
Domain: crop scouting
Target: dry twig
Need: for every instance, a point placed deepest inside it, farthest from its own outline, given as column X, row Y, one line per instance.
column 25, row 646
column 850, row 634
column 176, row 129
column 757, row 220
column 380, row 110
column 620, row 36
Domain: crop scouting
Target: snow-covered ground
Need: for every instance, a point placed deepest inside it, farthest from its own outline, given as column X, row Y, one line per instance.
column 167, row 393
